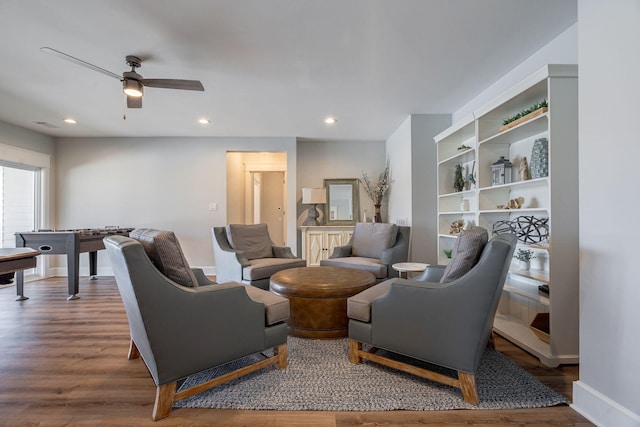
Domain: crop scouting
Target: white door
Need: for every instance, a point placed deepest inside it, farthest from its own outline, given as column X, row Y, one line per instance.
column 272, row 205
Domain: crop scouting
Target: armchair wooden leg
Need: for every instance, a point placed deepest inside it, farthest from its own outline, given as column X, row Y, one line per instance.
column 164, row 400
column 168, row 393
column 281, row 352
column 354, row 348
column 491, row 343
column 134, row 353
column 468, row 387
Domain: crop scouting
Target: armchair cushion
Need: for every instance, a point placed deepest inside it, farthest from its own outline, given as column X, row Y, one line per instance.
column 253, row 239
column 276, row 307
column 466, row 252
column 164, row 250
column 371, row 239
column 373, row 247
column 359, row 305
column 267, row 267
column 361, row 263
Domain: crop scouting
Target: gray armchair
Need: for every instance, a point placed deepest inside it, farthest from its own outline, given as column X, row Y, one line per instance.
column 373, row 247
column 181, row 330
column 245, row 253
column 446, row 323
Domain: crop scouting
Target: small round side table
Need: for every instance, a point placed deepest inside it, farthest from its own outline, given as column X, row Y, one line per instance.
column 404, row 268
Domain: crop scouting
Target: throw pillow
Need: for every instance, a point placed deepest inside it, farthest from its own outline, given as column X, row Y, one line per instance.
column 465, row 254
column 253, row 239
column 164, row 250
column 371, row 239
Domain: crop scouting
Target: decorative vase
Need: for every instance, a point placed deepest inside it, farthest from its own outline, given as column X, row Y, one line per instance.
column 378, row 217
column 540, row 158
column 525, row 265
column 523, row 170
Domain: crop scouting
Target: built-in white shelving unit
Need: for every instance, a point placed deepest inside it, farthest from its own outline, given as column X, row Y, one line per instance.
column 554, row 197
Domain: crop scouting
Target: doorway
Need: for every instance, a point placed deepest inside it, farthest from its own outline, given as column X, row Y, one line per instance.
column 256, row 191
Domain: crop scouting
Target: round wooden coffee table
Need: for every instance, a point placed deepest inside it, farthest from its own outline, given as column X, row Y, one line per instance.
column 318, row 298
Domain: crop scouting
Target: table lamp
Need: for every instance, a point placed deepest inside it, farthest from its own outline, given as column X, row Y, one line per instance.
column 313, row 197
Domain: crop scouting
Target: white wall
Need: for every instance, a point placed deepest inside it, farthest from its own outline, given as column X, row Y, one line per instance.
column 561, row 50
column 164, row 183
column 398, row 148
column 609, row 87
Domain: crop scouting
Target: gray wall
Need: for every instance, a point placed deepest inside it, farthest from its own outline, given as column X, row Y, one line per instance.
column 423, row 184
column 164, row 183
column 27, row 139
column 318, row 160
column 169, row 182
column 412, row 153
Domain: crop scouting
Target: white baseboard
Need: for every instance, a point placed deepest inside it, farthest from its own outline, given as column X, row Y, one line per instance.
column 601, row 410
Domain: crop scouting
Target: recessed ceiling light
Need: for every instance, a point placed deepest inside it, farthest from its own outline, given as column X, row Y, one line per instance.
column 330, row 120
column 204, row 121
column 70, row 121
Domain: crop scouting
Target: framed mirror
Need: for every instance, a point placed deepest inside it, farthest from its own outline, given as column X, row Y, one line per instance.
column 343, row 203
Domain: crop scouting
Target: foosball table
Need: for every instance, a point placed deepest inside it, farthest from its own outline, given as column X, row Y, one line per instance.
column 71, row 243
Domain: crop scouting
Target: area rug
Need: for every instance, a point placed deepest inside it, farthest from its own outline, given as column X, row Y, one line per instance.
column 319, row 377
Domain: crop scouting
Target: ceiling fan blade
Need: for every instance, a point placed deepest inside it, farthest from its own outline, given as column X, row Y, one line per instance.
column 134, row 102
column 79, row 62
column 174, row 84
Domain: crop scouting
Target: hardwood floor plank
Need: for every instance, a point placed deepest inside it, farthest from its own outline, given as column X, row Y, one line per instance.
column 65, row 363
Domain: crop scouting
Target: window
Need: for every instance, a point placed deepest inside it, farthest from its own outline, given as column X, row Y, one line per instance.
column 24, row 180
column 19, row 196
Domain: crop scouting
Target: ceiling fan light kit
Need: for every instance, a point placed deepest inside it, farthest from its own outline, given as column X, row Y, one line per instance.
column 132, row 88
column 132, row 83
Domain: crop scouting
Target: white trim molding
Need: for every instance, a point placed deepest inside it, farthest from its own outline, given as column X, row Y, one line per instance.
column 601, row 410
column 21, row 156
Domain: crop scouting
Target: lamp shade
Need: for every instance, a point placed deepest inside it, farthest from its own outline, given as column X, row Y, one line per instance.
column 311, row 196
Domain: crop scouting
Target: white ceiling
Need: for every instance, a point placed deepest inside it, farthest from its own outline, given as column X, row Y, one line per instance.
column 269, row 67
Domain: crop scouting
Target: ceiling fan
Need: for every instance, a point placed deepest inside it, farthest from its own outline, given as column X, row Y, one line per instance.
column 132, row 82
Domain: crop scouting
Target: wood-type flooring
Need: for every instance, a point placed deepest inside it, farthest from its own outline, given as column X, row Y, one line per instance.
column 64, row 363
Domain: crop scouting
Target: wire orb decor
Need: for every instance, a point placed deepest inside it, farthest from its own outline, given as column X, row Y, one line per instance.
column 528, row 229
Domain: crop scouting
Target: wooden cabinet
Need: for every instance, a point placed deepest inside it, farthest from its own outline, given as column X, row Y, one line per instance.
column 318, row 242
column 552, row 198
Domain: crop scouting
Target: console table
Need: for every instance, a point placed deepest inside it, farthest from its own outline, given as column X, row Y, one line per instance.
column 318, row 242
